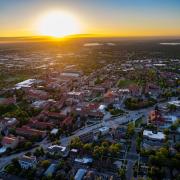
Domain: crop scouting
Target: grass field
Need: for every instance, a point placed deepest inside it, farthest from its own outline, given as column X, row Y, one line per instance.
column 124, row 83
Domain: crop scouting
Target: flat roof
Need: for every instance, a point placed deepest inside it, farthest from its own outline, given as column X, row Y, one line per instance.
column 176, row 103
column 26, row 83
column 84, row 160
column 62, row 148
column 155, row 136
column 104, row 129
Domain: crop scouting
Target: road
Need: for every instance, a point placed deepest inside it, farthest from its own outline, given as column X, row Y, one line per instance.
column 112, row 122
column 131, row 162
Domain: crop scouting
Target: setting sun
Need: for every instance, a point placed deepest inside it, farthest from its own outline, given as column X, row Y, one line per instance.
column 58, row 24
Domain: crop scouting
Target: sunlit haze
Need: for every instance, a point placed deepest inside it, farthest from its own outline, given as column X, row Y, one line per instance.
column 59, row 18
column 58, row 24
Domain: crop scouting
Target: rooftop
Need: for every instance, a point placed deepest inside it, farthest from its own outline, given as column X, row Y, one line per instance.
column 155, row 136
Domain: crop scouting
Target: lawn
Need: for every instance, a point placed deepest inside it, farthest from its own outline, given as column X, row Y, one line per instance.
column 124, row 83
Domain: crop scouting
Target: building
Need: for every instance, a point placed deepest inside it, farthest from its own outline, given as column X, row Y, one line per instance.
column 56, row 149
column 155, row 118
column 84, row 160
column 169, row 121
column 40, row 124
column 29, row 132
column 27, row 162
column 111, row 97
column 104, row 130
column 79, row 96
column 10, row 142
column 152, row 140
column 25, row 84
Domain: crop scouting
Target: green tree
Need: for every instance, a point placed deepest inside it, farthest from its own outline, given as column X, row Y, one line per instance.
column 28, row 145
column 76, row 143
column 114, row 149
column 122, row 173
column 45, row 163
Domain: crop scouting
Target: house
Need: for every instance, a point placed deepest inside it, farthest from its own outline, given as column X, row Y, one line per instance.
column 10, row 142
column 27, row 162
column 29, row 132
column 56, row 149
column 80, row 174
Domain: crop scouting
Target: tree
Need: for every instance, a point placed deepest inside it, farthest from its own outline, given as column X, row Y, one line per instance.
column 98, row 152
column 45, row 163
column 76, row 143
column 114, row 149
column 28, row 144
column 130, row 129
column 172, row 107
column 122, row 173
column 87, row 147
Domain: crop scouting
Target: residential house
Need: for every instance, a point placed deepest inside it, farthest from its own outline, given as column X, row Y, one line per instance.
column 27, row 162
column 10, row 142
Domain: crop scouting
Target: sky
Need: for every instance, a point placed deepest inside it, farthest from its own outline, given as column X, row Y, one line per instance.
column 99, row 17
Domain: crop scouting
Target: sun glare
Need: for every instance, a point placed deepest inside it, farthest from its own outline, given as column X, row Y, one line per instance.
column 58, row 24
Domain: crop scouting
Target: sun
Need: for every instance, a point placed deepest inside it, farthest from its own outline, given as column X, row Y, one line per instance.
column 58, row 24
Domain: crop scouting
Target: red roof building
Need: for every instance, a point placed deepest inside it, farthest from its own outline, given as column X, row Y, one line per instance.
column 29, row 132
column 155, row 117
column 40, row 124
column 10, row 141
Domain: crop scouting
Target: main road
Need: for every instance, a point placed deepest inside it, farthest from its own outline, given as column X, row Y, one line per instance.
column 112, row 122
